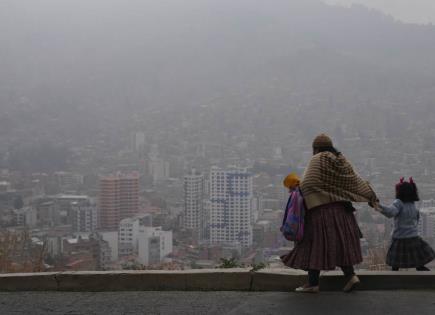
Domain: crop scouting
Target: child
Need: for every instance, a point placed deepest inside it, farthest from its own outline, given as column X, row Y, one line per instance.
column 293, row 222
column 291, row 181
column 407, row 249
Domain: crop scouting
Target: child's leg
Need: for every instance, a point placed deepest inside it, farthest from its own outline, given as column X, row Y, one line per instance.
column 395, row 268
column 422, row 268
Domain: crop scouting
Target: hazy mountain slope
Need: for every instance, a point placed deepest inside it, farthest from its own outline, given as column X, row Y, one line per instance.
column 90, row 56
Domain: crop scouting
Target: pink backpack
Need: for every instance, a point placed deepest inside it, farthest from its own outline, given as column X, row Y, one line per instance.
column 293, row 222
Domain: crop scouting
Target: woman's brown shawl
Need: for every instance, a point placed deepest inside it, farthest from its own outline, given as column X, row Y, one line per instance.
column 330, row 178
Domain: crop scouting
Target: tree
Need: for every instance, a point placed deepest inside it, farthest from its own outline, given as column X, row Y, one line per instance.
column 257, row 267
column 229, row 263
column 19, row 254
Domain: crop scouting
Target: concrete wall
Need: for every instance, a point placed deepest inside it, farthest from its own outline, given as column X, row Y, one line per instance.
column 207, row 280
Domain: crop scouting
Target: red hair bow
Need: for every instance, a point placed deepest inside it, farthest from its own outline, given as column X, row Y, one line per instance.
column 402, row 180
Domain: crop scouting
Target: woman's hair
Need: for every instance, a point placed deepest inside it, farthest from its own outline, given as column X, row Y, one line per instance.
column 407, row 191
column 328, row 149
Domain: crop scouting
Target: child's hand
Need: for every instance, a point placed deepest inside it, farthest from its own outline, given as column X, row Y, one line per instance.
column 375, row 205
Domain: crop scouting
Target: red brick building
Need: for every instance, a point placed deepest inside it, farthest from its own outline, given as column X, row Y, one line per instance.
column 118, row 199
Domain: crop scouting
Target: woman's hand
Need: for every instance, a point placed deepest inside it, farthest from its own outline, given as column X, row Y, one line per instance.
column 375, row 205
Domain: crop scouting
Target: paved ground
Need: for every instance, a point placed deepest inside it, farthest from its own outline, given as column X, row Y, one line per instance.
column 107, row 303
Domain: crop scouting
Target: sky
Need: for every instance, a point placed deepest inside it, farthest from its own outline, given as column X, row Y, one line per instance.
column 411, row 11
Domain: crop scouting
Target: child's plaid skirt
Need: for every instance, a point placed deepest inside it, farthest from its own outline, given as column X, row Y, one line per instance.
column 409, row 253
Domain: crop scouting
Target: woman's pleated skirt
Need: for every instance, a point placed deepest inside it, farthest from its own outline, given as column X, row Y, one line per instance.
column 331, row 239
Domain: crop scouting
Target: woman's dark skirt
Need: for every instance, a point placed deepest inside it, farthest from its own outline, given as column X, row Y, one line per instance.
column 331, row 239
column 409, row 253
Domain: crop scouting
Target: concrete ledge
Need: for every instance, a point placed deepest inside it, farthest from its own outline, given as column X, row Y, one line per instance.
column 207, row 280
column 192, row 280
column 28, row 282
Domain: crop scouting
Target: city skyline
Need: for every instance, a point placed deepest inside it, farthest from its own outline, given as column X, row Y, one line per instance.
column 199, row 109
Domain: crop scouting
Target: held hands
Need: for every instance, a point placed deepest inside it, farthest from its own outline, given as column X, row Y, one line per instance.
column 375, row 205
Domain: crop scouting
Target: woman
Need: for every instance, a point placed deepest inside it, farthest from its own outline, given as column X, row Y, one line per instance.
column 332, row 235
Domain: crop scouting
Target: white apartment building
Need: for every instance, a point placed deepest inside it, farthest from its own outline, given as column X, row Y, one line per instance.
column 230, row 206
column 154, row 245
column 194, row 216
column 129, row 231
column 26, row 216
column 84, row 216
column 426, row 225
column 429, row 203
column 111, row 237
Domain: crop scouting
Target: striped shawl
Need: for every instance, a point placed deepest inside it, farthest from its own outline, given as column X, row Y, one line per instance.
column 330, row 178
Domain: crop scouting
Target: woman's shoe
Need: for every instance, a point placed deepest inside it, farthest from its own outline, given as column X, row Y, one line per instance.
column 351, row 284
column 307, row 289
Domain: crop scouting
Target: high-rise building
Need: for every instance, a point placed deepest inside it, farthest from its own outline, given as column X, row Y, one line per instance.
column 62, row 207
column 84, row 216
column 158, row 169
column 119, row 199
column 230, row 206
column 194, row 216
column 138, row 141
